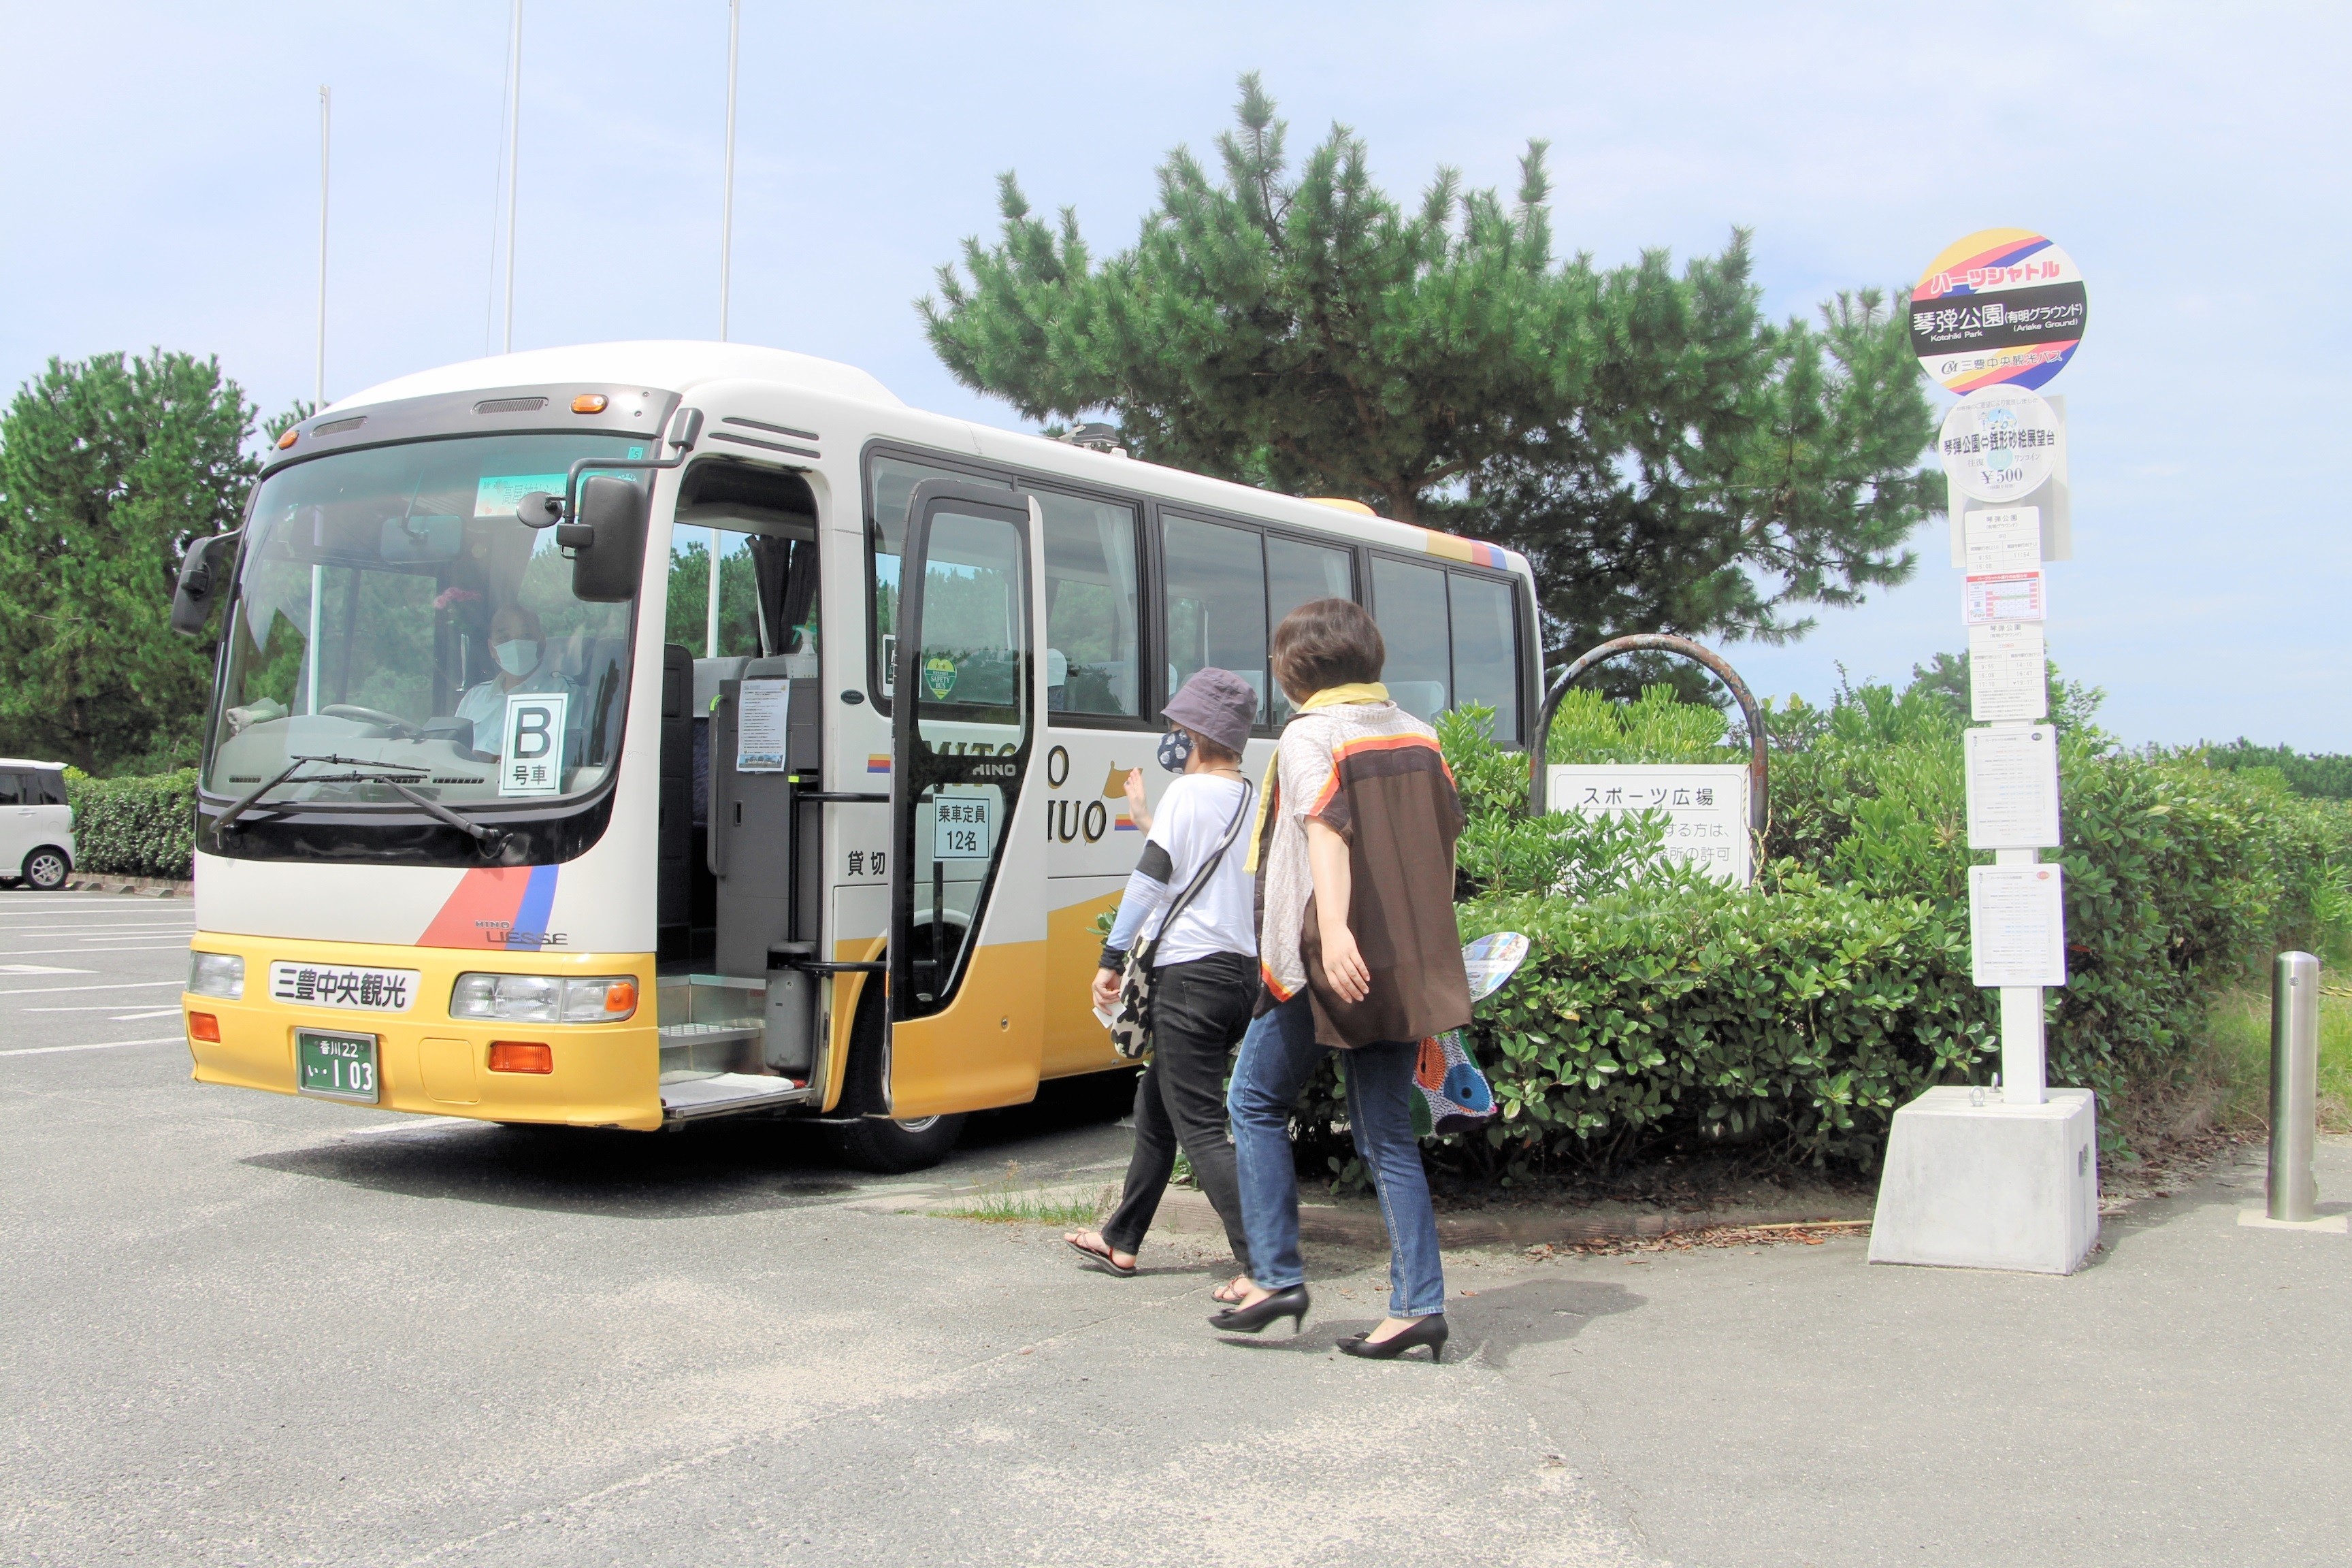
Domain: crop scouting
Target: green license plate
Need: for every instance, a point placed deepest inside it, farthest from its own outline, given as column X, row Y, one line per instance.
column 339, row 1066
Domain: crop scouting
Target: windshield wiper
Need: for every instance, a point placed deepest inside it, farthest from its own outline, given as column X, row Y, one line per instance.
column 228, row 818
column 398, row 775
column 490, row 839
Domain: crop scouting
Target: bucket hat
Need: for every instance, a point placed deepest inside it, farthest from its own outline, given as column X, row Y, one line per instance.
column 1216, row 704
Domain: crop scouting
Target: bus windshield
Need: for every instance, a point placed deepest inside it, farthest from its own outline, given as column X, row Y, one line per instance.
column 394, row 614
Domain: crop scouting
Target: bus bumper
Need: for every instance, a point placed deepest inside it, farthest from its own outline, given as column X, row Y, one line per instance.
column 603, row 1075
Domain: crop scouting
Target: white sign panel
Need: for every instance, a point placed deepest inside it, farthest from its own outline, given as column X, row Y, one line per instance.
column 2012, row 785
column 1707, row 802
column 959, row 827
column 763, row 709
column 530, row 760
column 2000, row 444
column 2017, row 925
column 341, row 986
column 2008, row 674
column 2009, row 540
column 2003, row 596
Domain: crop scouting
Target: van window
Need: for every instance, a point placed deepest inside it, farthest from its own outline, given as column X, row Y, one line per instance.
column 1296, row 574
column 1216, row 602
column 1487, row 650
column 1408, row 603
column 49, row 786
column 13, row 790
column 1094, row 659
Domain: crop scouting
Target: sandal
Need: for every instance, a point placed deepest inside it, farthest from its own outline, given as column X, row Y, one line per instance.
column 1233, row 1292
column 1100, row 1257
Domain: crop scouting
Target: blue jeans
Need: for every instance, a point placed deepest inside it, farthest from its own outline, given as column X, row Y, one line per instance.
column 1277, row 1057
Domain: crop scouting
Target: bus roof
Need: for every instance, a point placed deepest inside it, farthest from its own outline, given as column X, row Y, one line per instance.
column 682, row 364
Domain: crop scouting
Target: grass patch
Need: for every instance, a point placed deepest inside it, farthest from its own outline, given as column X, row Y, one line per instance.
column 1011, row 1202
column 2240, row 1059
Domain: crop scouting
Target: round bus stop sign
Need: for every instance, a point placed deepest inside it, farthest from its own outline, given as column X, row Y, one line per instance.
column 1999, row 444
column 2003, row 307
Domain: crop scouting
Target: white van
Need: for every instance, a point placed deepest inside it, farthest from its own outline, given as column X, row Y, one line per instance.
column 37, row 842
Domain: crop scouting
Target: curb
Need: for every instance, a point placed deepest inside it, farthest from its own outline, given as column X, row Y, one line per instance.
column 1350, row 1224
column 153, row 887
column 1186, row 1211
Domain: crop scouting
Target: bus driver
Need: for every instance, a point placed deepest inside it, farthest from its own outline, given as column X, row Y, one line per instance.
column 519, row 646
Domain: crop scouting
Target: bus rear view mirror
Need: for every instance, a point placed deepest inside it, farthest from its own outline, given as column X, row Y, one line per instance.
column 608, row 542
column 204, row 572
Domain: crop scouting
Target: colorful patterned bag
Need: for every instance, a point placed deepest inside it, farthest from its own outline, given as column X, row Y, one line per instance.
column 1454, row 1095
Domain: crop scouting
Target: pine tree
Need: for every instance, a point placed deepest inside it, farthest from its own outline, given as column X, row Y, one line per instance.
column 1667, row 457
column 108, row 467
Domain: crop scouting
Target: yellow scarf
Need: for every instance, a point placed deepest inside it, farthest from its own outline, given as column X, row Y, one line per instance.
column 1330, row 696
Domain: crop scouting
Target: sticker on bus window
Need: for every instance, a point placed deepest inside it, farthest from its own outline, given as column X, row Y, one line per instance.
column 494, row 496
column 531, row 760
column 939, row 675
column 959, row 827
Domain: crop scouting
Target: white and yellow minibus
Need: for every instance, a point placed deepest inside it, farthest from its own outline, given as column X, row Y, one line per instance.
column 500, row 816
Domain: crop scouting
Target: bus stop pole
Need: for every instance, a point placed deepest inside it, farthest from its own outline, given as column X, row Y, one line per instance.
column 2294, row 1085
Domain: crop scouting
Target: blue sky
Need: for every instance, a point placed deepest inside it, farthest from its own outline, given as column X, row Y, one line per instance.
column 161, row 188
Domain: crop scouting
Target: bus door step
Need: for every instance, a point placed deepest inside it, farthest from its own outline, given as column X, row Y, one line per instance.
column 721, row 1094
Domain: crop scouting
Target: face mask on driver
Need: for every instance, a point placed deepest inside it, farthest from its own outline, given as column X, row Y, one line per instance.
column 1175, row 747
column 519, row 656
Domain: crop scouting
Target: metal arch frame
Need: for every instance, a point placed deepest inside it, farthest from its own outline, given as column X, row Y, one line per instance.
column 1758, row 769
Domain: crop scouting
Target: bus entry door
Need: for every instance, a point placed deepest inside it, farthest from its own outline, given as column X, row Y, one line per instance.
column 967, row 911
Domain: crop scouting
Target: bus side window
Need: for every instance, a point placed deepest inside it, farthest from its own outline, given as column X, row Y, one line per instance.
column 1408, row 603
column 1091, row 621
column 1216, row 602
column 1485, row 650
column 1296, row 572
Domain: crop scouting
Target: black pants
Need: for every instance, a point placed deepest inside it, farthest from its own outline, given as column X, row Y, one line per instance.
column 1200, row 1011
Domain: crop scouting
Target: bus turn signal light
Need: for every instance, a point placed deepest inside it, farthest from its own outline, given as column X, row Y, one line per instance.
column 519, row 1055
column 293, row 434
column 621, row 996
column 590, row 402
column 204, row 1026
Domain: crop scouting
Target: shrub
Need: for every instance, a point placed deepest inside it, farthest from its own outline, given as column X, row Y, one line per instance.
column 1657, row 1007
column 142, row 826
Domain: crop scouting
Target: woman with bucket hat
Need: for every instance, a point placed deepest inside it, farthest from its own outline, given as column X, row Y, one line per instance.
column 1203, row 970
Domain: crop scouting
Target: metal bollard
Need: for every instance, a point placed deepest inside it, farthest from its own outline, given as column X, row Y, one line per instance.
column 2294, row 1084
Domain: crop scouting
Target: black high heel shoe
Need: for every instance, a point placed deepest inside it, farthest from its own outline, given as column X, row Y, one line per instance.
column 1290, row 1302
column 1430, row 1331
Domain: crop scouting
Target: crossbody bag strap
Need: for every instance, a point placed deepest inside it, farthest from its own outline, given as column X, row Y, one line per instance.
column 1208, row 868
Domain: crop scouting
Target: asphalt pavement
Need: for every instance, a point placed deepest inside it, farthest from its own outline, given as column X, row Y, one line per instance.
column 239, row 1328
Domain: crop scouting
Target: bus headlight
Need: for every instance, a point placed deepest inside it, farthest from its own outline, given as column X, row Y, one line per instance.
column 216, row 975
column 544, row 998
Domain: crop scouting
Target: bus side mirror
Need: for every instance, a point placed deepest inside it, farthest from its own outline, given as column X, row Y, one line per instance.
column 608, row 542
column 204, row 572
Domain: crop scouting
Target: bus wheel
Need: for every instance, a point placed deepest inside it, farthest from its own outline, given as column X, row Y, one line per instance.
column 865, row 1138
column 46, row 870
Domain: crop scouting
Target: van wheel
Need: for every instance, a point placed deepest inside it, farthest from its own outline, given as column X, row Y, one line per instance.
column 47, row 868
column 873, row 1142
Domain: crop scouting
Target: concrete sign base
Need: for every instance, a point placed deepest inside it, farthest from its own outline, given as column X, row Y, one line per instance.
column 1992, row 1185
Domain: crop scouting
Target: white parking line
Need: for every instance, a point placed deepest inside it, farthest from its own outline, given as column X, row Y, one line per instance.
column 99, row 1006
column 100, row 1046
column 427, row 1123
column 120, row 985
column 49, row 952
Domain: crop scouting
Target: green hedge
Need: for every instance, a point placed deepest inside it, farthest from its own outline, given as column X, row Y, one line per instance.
column 134, row 827
column 1658, row 1010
